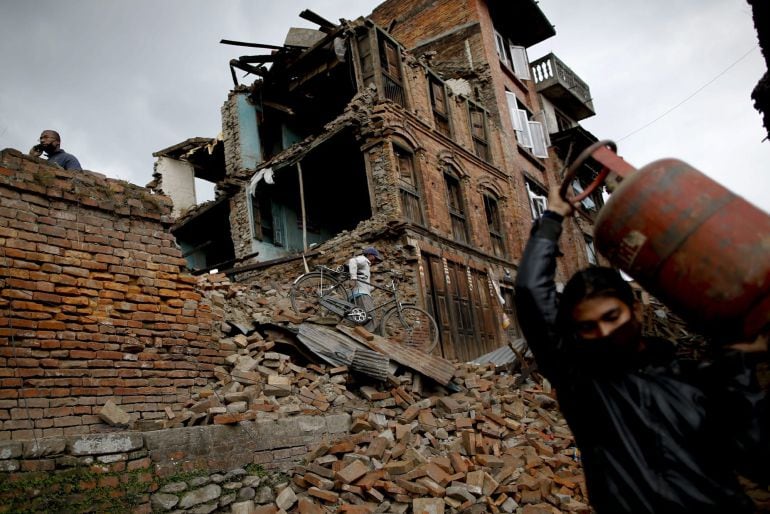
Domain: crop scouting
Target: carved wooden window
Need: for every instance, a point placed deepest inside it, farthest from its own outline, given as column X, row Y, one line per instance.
column 409, row 190
column 390, row 61
column 494, row 224
column 438, row 101
column 456, row 207
column 478, row 123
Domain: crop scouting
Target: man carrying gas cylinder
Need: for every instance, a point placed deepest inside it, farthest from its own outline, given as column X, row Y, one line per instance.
column 657, row 434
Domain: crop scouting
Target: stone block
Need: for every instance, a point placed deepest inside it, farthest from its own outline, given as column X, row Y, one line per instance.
column 9, row 465
column 113, row 415
column 163, row 501
column 428, row 506
column 352, row 472
column 308, row 506
column 338, row 423
column 244, row 507
column 203, row 495
column 286, row 499
column 96, row 444
column 236, row 407
column 10, row 449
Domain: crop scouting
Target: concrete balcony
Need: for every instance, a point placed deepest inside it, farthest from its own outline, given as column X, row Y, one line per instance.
column 555, row 81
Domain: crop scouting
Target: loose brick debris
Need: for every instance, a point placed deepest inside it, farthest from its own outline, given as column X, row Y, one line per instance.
column 489, row 448
column 415, row 446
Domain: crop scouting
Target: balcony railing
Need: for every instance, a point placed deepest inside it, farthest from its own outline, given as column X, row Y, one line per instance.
column 393, row 90
column 561, row 85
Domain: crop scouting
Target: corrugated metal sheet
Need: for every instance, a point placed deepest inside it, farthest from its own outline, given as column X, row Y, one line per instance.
column 504, row 355
column 437, row 368
column 371, row 363
column 338, row 349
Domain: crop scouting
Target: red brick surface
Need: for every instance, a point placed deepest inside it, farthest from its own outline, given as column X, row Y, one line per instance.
column 94, row 303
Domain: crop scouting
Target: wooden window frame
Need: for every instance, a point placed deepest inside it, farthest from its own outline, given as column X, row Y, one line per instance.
column 409, row 191
column 441, row 119
column 492, row 213
column 457, row 214
column 480, row 142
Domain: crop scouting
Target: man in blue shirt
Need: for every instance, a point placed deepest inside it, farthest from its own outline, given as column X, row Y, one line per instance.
column 50, row 143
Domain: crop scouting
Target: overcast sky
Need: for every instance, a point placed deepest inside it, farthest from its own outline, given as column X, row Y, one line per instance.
column 120, row 80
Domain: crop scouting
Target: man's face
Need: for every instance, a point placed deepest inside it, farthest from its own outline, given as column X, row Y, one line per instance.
column 48, row 141
column 599, row 317
column 372, row 258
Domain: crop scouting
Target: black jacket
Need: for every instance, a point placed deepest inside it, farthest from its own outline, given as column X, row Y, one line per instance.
column 664, row 435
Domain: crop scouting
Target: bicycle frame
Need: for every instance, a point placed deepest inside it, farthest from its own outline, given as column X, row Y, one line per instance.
column 343, row 308
column 392, row 290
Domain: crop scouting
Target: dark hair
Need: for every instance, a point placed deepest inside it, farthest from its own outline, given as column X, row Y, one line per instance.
column 591, row 283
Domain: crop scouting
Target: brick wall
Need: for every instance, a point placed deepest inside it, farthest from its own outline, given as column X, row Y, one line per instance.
column 417, row 20
column 94, row 303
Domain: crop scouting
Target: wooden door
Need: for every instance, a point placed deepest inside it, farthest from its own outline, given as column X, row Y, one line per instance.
column 438, row 302
column 485, row 315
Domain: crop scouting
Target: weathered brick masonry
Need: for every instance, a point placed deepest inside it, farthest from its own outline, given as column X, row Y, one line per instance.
column 94, row 303
column 111, row 467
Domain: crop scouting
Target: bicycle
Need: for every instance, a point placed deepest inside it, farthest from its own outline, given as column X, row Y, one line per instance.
column 323, row 290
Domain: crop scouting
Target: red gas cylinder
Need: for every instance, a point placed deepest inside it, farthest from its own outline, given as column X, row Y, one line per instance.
column 699, row 248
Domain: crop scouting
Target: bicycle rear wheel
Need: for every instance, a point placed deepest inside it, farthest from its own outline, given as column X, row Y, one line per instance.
column 309, row 288
column 412, row 326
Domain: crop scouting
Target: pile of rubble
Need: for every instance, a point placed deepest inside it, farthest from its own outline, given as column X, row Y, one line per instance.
column 426, row 437
column 488, row 448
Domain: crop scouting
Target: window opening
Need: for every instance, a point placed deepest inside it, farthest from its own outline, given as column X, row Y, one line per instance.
column 456, row 209
column 478, row 130
column 514, row 57
column 390, row 59
column 500, row 47
column 439, row 104
column 529, row 133
column 408, row 187
column 588, row 203
column 520, row 62
column 562, row 122
column 494, row 224
column 538, row 201
column 590, row 250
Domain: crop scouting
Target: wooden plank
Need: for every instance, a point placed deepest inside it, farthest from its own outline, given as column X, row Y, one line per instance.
column 440, row 370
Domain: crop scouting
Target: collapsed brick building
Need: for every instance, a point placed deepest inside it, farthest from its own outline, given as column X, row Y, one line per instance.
column 423, row 130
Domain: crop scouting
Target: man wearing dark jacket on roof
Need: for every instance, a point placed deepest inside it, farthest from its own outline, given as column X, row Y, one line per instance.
column 50, row 143
column 657, row 434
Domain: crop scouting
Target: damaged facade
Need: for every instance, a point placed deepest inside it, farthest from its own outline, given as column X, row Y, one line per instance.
column 423, row 130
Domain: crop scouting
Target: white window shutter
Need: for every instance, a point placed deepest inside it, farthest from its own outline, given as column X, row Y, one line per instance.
column 538, row 139
column 513, row 110
column 523, row 135
column 587, row 202
column 591, row 252
column 537, row 203
column 520, row 62
column 251, row 208
column 500, row 45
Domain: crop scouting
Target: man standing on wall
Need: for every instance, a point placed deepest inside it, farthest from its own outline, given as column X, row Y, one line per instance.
column 360, row 271
column 50, row 143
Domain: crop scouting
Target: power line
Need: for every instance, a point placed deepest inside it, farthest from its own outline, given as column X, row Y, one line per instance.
column 704, row 86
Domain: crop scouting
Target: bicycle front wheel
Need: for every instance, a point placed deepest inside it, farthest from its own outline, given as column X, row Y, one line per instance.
column 309, row 288
column 411, row 326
